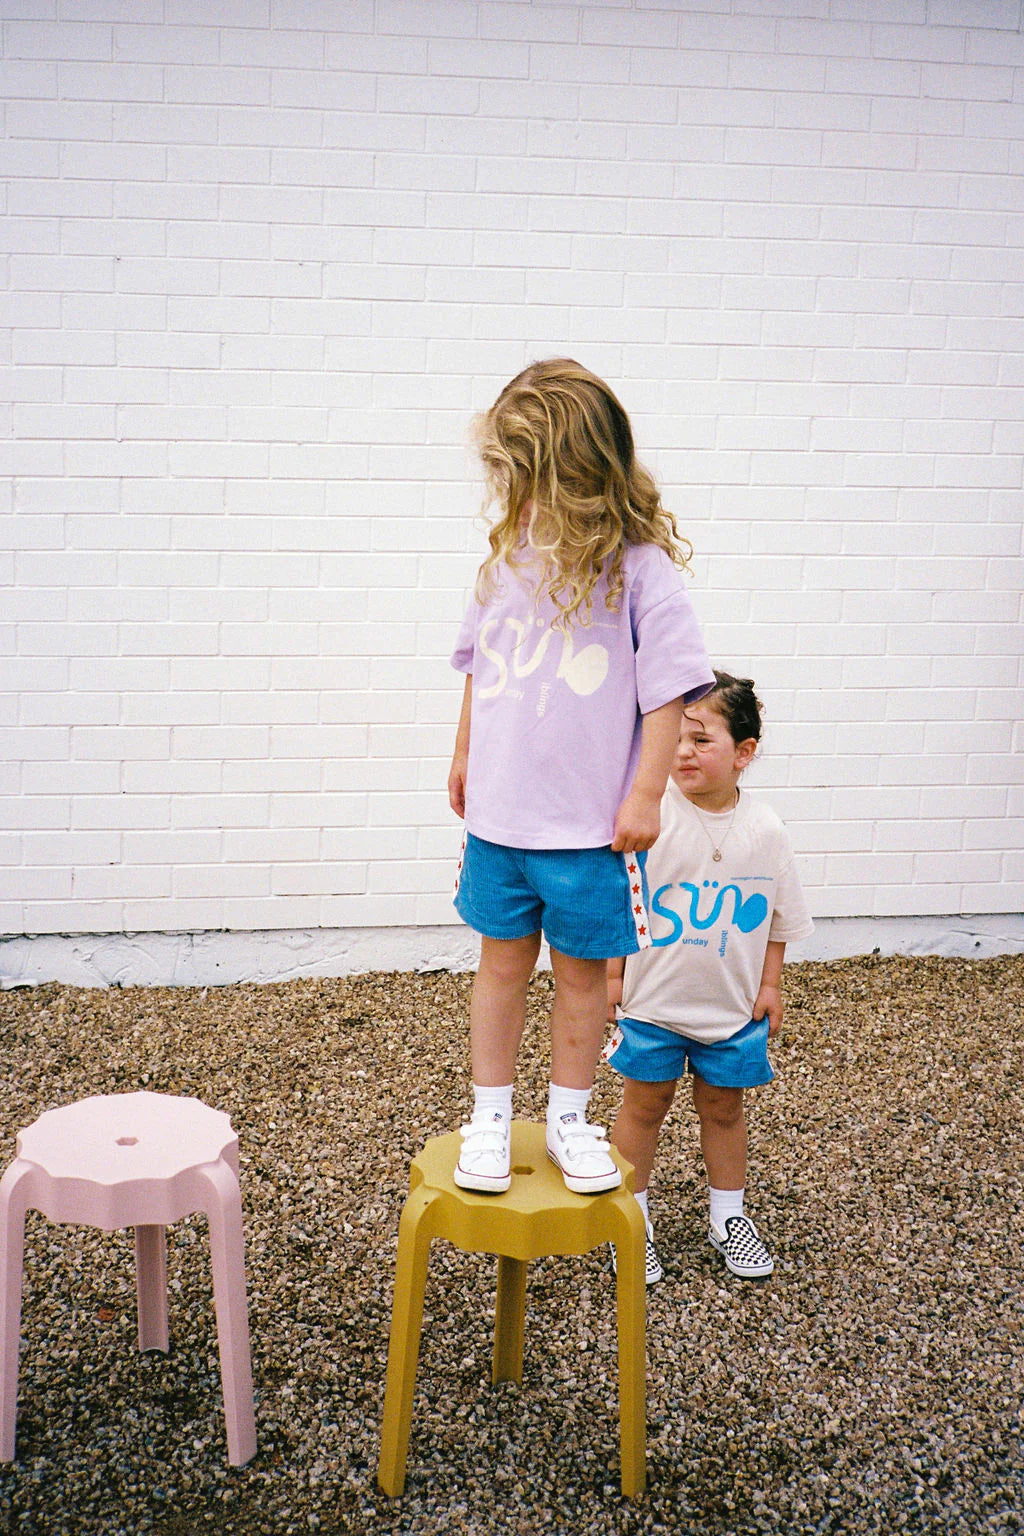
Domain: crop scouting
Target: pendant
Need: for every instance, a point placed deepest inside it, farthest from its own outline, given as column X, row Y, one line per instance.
column 717, row 855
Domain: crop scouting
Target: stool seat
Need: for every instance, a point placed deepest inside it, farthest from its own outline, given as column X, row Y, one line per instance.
column 122, row 1159
column 139, row 1160
column 537, row 1216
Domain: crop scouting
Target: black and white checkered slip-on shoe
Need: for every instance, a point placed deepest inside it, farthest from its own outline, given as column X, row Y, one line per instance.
column 741, row 1247
column 653, row 1271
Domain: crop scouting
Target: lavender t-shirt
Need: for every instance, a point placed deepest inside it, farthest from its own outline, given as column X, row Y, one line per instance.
column 556, row 721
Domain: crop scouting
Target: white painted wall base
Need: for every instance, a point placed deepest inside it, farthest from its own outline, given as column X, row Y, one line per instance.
column 219, row 959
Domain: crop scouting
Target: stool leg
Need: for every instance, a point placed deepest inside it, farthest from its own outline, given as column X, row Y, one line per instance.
column 414, row 1237
column 13, row 1201
column 227, row 1253
column 509, row 1320
column 151, row 1287
column 631, row 1296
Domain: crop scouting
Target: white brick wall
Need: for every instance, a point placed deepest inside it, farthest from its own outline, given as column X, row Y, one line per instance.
column 262, row 261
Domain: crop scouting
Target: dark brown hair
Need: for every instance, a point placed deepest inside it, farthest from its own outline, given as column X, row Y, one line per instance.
column 738, row 705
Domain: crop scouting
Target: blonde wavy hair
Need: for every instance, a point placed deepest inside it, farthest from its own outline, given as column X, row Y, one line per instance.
column 558, row 457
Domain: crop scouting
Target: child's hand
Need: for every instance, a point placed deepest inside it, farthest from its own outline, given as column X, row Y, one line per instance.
column 637, row 822
column 457, row 786
column 769, row 1002
column 615, row 971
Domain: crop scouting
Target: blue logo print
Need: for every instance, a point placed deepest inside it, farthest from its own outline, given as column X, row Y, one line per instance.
column 746, row 914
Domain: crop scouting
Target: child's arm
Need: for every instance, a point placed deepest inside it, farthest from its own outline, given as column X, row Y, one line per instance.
column 638, row 819
column 769, row 996
column 460, row 757
column 615, row 971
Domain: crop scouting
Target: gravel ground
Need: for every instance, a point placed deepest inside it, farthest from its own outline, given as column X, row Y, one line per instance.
column 872, row 1385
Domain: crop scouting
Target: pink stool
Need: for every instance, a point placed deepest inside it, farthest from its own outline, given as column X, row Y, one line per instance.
column 137, row 1160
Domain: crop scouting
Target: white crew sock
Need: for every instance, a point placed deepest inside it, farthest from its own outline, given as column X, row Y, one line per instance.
column 488, row 1102
column 641, row 1200
column 564, row 1101
column 725, row 1203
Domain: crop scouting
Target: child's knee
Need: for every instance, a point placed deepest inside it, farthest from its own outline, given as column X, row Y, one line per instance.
column 649, row 1102
column 509, row 960
column 579, row 978
column 718, row 1106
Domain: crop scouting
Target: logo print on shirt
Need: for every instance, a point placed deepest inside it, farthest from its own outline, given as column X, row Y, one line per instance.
column 746, row 915
column 582, row 671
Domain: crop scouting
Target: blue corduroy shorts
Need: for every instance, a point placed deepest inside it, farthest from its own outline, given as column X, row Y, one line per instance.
column 589, row 903
column 648, row 1053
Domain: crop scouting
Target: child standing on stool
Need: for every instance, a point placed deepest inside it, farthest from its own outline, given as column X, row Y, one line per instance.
column 705, row 997
column 581, row 648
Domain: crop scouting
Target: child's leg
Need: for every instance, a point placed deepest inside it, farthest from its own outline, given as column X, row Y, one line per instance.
column 723, row 1140
column 578, row 1016
column 497, row 1011
column 639, row 1122
column 635, row 1133
column 723, row 1134
column 497, row 1014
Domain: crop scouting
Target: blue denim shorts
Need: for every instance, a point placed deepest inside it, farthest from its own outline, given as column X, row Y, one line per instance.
column 647, row 1053
column 589, row 903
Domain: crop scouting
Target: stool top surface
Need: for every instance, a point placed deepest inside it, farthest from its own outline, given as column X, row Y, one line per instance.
column 536, row 1215
column 126, row 1138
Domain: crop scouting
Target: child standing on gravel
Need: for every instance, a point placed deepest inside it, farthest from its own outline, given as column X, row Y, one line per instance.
column 705, row 997
column 580, row 648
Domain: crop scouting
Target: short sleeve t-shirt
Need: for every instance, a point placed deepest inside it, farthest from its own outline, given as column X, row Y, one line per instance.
column 711, row 921
column 556, row 719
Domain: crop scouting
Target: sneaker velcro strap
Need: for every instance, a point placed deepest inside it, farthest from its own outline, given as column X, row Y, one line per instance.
column 598, row 1132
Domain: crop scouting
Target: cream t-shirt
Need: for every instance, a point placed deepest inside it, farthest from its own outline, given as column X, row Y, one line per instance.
column 711, row 922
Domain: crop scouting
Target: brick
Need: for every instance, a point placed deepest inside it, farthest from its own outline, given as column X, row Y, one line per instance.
column 627, row 104
column 320, row 879
column 42, row 884
column 868, row 870
column 941, row 44
column 215, row 880
column 218, row 459
column 318, row 810
column 967, row 82
column 478, row 59
column 162, row 44
column 57, row 40
column 255, row 845
column 363, row 910
column 21, row 79
column 107, row 83
column 187, row 916
column 30, row 159
column 558, row 104
column 109, row 884
column 371, row 776
column 162, row 123
column 874, row 77
column 291, row 776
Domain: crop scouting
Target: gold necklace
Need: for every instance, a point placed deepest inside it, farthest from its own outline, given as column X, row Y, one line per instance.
column 716, row 848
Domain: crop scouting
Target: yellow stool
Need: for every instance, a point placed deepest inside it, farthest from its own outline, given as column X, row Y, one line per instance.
column 537, row 1216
